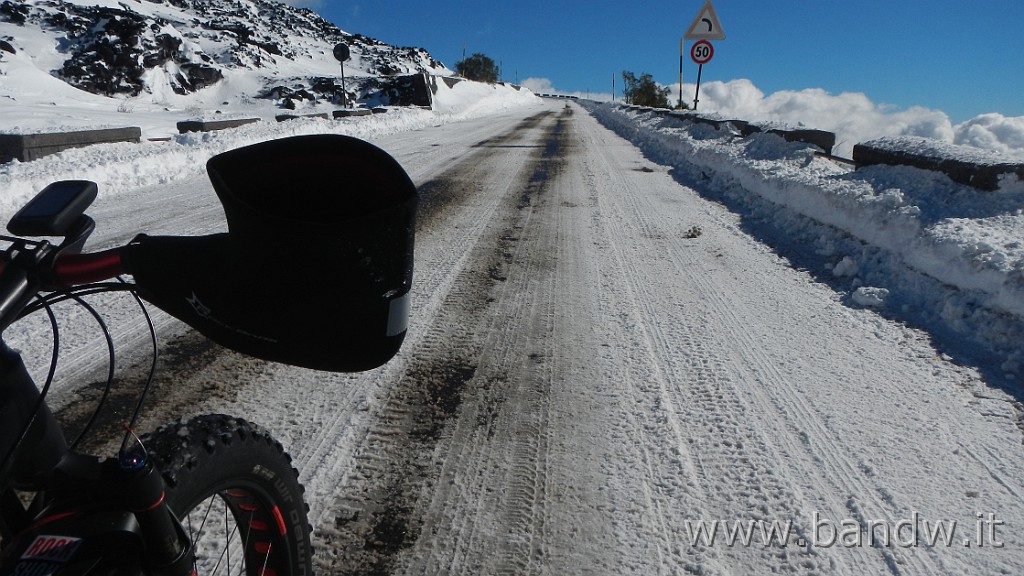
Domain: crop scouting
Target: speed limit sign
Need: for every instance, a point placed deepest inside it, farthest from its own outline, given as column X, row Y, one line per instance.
column 701, row 52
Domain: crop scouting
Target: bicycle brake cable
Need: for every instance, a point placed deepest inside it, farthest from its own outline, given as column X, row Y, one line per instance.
column 111, row 366
column 152, row 369
column 86, row 290
column 77, row 294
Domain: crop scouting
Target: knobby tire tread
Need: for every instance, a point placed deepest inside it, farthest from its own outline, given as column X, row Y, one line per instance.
column 206, row 455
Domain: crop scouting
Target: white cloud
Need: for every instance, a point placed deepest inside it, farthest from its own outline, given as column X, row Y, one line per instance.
column 539, row 85
column 993, row 132
column 851, row 115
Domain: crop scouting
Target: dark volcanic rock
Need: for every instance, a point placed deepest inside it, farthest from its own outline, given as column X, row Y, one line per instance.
column 114, row 51
column 194, row 76
column 13, row 12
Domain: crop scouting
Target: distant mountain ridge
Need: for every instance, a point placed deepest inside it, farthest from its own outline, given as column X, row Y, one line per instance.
column 131, row 48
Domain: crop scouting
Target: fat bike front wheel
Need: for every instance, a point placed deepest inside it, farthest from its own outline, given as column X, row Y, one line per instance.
column 236, row 493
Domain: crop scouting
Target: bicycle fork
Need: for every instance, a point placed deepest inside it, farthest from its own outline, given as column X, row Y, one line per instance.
column 88, row 510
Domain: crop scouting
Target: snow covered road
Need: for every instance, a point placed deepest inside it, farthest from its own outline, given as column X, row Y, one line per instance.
column 605, row 374
column 601, row 361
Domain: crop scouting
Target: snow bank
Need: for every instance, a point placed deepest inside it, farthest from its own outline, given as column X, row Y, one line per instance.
column 120, row 167
column 959, row 238
column 931, row 148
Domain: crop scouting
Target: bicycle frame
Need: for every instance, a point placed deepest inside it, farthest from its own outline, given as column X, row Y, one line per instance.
column 87, row 510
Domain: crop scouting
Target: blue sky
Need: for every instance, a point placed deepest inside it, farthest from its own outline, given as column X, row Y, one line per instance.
column 962, row 58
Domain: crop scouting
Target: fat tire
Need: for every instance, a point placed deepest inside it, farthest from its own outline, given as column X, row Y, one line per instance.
column 223, row 455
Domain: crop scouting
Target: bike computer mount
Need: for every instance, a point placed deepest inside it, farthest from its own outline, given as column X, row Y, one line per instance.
column 58, row 210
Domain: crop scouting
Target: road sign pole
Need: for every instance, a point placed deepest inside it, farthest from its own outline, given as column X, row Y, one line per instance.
column 705, row 27
column 342, row 53
column 344, row 92
column 696, row 95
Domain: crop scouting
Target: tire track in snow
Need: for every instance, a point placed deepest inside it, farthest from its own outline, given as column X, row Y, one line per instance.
column 799, row 429
column 514, row 495
column 506, row 406
column 697, row 377
column 339, row 421
column 375, row 514
column 696, row 383
column 721, row 354
column 529, row 290
column 666, row 454
column 828, row 467
column 435, row 271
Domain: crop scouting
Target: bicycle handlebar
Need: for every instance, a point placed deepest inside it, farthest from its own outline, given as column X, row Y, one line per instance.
column 26, row 272
column 78, row 269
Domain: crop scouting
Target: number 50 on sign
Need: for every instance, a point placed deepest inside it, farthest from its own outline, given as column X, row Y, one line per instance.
column 701, row 52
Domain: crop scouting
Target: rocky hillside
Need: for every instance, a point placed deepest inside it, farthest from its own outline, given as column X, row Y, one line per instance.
column 135, row 48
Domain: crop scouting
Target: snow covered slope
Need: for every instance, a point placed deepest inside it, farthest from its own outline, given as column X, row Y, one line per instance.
column 185, row 54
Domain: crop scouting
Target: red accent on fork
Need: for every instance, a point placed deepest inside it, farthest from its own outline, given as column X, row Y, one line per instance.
column 163, row 496
column 48, row 519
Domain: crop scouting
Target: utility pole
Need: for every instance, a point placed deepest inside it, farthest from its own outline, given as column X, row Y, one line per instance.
column 680, row 106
